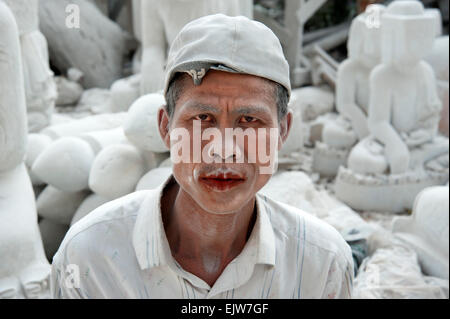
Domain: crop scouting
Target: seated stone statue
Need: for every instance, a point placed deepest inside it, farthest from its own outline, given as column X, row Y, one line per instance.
column 161, row 22
column 402, row 148
column 40, row 88
column 339, row 132
column 156, row 27
column 24, row 270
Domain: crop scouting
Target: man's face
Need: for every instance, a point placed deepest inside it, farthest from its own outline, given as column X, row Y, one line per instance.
column 228, row 170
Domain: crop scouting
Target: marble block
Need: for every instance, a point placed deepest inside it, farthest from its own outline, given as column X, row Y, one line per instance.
column 59, row 206
column 69, row 152
column 96, row 48
column 24, row 270
column 427, row 230
column 154, row 178
column 40, row 88
column 116, row 171
column 141, row 124
column 124, row 92
column 88, row 124
column 90, row 203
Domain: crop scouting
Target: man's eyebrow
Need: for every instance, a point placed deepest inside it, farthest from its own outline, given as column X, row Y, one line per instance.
column 201, row 107
column 243, row 110
column 251, row 109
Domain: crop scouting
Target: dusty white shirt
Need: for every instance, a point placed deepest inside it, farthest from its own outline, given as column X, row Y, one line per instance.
column 120, row 250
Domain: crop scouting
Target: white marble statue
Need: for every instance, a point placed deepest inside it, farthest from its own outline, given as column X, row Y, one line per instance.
column 338, row 133
column 161, row 22
column 439, row 61
column 306, row 103
column 246, row 9
column 24, row 270
column 40, row 87
column 403, row 152
column 427, row 230
column 96, row 45
column 69, row 91
column 156, row 24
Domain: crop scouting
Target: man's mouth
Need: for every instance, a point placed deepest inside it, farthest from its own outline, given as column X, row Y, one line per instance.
column 222, row 181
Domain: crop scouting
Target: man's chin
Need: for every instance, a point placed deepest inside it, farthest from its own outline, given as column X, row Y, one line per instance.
column 220, row 203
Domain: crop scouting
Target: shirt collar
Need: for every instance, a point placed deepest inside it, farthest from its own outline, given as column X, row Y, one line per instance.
column 152, row 247
column 149, row 238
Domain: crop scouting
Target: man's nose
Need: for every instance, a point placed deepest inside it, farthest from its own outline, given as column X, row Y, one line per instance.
column 224, row 148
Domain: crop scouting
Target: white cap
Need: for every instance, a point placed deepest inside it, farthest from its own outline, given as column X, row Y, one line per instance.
column 231, row 44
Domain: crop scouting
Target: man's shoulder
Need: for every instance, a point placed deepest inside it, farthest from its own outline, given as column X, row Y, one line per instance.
column 113, row 215
column 293, row 223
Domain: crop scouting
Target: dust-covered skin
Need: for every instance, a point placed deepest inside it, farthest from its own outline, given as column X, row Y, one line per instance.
column 207, row 225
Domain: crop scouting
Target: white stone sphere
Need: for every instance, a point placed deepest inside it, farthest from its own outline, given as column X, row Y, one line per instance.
column 59, row 206
column 154, row 178
column 88, row 205
column 116, row 171
column 65, row 164
column 141, row 124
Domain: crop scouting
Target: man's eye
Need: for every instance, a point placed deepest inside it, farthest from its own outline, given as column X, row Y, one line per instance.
column 203, row 117
column 247, row 119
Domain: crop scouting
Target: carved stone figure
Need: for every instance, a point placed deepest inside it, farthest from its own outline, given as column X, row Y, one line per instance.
column 161, row 22
column 96, row 46
column 306, row 103
column 338, row 133
column 155, row 24
column 403, row 152
column 24, row 270
column 439, row 61
column 40, row 87
column 427, row 230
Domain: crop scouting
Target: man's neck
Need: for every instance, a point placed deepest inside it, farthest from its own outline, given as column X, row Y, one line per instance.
column 202, row 242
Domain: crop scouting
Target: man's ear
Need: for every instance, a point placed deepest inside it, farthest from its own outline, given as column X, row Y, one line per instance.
column 163, row 125
column 285, row 128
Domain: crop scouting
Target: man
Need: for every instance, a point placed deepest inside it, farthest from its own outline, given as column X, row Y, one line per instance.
column 206, row 233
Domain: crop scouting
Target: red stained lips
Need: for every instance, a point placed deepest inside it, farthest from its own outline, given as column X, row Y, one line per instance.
column 221, row 182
